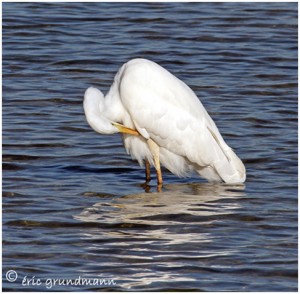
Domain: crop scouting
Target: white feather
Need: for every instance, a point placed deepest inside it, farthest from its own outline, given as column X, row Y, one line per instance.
column 146, row 97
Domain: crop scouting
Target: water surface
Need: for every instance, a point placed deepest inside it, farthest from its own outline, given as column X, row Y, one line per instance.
column 73, row 201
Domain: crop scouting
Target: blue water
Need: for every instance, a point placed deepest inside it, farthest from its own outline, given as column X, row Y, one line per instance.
column 74, row 203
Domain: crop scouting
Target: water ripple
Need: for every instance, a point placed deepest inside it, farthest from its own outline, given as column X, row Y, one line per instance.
column 74, row 204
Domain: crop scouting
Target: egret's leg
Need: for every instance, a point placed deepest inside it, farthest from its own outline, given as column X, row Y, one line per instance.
column 158, row 171
column 148, row 172
column 155, row 153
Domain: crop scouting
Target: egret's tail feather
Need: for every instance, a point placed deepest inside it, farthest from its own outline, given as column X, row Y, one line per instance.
column 231, row 169
column 227, row 167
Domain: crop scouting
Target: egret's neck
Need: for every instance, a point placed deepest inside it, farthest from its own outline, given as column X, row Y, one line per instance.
column 95, row 112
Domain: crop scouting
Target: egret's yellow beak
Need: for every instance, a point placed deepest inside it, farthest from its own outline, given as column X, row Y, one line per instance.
column 125, row 130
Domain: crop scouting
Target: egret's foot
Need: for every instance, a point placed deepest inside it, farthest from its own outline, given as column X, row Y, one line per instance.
column 146, row 187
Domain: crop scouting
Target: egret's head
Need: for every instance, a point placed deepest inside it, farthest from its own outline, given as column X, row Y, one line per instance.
column 94, row 109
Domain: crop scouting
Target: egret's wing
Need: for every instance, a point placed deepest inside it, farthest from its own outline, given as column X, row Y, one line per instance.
column 166, row 110
column 179, row 132
column 174, row 129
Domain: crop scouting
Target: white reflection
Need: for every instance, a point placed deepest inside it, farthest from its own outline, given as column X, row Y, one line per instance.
column 182, row 200
column 178, row 222
column 147, row 278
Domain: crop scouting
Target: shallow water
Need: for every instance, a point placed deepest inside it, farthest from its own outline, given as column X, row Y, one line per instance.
column 73, row 201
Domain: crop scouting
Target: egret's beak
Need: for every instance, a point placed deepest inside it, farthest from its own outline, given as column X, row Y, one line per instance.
column 125, row 130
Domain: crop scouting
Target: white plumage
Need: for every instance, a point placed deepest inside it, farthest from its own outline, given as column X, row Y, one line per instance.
column 173, row 126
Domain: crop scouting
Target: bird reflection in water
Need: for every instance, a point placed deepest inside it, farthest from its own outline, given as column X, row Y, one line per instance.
column 149, row 235
column 191, row 199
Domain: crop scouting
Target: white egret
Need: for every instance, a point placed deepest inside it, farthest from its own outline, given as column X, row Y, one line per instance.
column 163, row 123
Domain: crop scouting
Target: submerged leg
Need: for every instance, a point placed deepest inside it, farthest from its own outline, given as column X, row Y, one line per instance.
column 155, row 153
column 148, row 172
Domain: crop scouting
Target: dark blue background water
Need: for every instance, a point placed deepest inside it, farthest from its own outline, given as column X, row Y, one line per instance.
column 73, row 204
